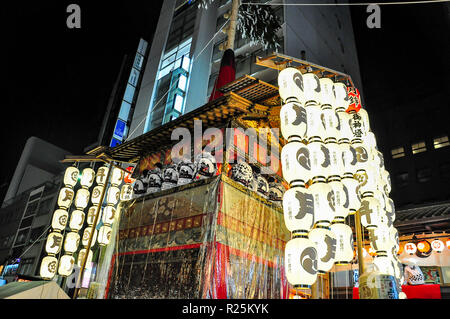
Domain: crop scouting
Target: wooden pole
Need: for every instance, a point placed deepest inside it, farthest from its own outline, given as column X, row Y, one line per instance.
column 231, row 32
column 359, row 243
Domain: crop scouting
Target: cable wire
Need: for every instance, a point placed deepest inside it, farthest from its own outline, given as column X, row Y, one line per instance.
column 348, row 4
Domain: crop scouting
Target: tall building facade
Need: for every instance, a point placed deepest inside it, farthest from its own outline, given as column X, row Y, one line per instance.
column 186, row 51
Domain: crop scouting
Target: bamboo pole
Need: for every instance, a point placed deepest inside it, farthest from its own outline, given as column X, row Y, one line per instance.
column 359, row 243
column 231, row 32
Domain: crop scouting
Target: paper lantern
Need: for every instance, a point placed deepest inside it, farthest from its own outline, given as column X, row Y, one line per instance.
column 311, row 89
column 346, row 133
column 71, row 242
column 296, row 165
column 341, row 93
column 82, row 198
column 76, row 220
column 410, row 248
column 96, row 194
column 381, row 239
column 116, row 176
column 437, row 245
column 319, row 159
column 102, row 174
column 126, row 192
column 81, row 255
column 298, row 209
column 113, row 195
column 127, row 177
column 108, row 215
column 91, row 215
column 344, row 245
column 325, row 241
column 59, row 219
column 65, row 197
column 54, row 243
column 361, row 154
column 86, row 234
column 357, row 125
column 367, row 179
column 87, row 177
column 370, row 212
column 423, row 246
column 350, row 186
column 104, row 235
column 335, row 169
column 349, row 159
column 365, row 119
column 49, row 267
column 293, row 120
column 330, row 124
column 387, row 187
column 327, row 97
column 324, row 208
column 290, row 85
column 66, row 264
column 300, row 262
column 384, row 264
column 71, row 176
column 354, row 100
column 338, row 198
column 315, row 125
column 370, row 140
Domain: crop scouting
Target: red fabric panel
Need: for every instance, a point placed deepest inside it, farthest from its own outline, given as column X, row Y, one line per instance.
column 414, row 292
column 226, row 75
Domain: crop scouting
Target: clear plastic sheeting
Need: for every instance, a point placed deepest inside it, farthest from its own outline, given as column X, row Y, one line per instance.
column 208, row 239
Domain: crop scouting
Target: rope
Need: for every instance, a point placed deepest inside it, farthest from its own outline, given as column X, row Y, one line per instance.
column 348, row 4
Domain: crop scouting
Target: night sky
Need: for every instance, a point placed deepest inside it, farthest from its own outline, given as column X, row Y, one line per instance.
column 59, row 79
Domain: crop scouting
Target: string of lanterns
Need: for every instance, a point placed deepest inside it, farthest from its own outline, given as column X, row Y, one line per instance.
column 334, row 169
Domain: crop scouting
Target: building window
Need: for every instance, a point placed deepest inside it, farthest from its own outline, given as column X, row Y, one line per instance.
column 402, row 179
column 424, row 175
column 418, row 147
column 398, row 152
column 439, row 142
column 444, row 170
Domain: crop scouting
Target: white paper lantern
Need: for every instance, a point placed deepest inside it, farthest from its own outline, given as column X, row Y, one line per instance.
column 346, row 133
column 344, row 238
column 293, row 120
column 71, row 242
column 117, row 176
column 357, row 125
column 66, row 264
column 59, row 219
column 311, row 89
column 353, row 202
column 315, row 125
column 113, row 195
column 81, row 255
column 325, row 241
column 437, row 245
column 82, row 198
column 296, row 165
column 386, row 182
column 86, row 234
column 108, row 215
column 65, row 197
column 76, row 220
column 393, row 234
column 380, row 238
column 91, row 215
column 335, row 169
column 362, row 154
column 370, row 140
column 327, row 97
column 290, row 85
column 338, row 198
column 384, row 264
column 104, row 235
column 54, row 243
column 370, row 212
column 87, row 177
column 324, row 209
column 96, row 194
column 319, row 159
column 301, row 262
column 298, row 209
column 49, row 266
column 71, row 176
column 102, row 174
column 410, row 248
column 341, row 93
column 349, row 159
column 126, row 192
column 364, row 119
column 367, row 178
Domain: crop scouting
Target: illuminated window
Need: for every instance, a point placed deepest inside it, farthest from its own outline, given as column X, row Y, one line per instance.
column 418, row 147
column 398, row 152
column 439, row 142
column 182, row 82
column 178, row 104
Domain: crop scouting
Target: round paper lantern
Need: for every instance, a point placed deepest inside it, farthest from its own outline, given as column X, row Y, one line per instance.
column 344, row 238
column 384, row 264
column 315, row 125
column 319, row 159
column 108, row 215
column 361, row 154
column 54, row 243
column 424, row 246
column 381, row 239
column 346, row 133
column 76, row 220
column 59, row 219
column 370, row 212
column 86, row 234
column 102, row 174
column 82, row 198
column 386, row 182
column 71, row 176
column 324, row 208
column 81, row 255
column 338, row 198
column 71, row 242
column 448, row 243
column 349, row 159
column 91, row 215
column 298, row 209
column 116, row 176
column 330, row 124
column 437, row 245
column 126, row 192
column 364, row 119
column 127, row 177
column 96, row 194
column 290, row 85
column 113, row 195
column 325, row 241
column 300, row 261
column 87, row 177
column 311, row 89
column 48, row 268
column 296, row 164
column 104, row 235
column 293, row 120
column 66, row 264
column 341, row 93
column 410, row 248
column 357, row 125
column 355, row 100
column 327, row 97
column 370, row 140
column 65, row 197
column 335, row 169
column 353, row 203
column 367, row 179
